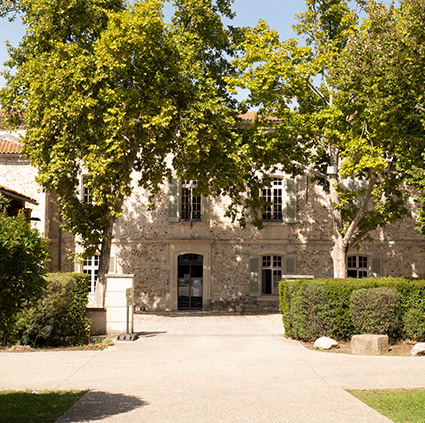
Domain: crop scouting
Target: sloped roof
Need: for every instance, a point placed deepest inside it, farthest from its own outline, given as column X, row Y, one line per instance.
column 250, row 116
column 9, row 145
column 10, row 193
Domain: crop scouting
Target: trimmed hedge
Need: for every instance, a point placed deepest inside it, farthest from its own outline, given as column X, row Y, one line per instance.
column 314, row 308
column 59, row 317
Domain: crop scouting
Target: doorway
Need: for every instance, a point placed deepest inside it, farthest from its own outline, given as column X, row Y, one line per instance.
column 190, row 282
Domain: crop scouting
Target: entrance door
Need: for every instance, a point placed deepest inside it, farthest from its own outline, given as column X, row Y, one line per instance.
column 190, row 282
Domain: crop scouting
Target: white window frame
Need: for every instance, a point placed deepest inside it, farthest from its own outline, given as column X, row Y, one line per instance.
column 91, row 267
column 196, row 205
column 363, row 266
column 274, row 210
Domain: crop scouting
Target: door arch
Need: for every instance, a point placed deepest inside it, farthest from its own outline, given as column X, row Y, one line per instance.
column 190, row 272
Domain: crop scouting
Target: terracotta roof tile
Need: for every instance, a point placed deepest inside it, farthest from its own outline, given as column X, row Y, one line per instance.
column 9, row 145
column 250, row 116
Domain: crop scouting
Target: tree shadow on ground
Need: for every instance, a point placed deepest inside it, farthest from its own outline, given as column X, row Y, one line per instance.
column 97, row 405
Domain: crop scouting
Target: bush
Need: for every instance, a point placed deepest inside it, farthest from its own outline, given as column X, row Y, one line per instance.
column 59, row 317
column 374, row 310
column 322, row 307
column 310, row 312
column 23, row 259
column 414, row 322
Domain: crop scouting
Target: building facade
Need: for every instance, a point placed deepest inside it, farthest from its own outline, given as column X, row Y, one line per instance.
column 186, row 254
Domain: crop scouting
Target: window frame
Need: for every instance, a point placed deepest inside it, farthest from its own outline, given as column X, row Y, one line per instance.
column 274, row 207
column 360, row 264
column 90, row 266
column 187, row 187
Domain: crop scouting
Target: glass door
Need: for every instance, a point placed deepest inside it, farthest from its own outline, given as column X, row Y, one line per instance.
column 190, row 282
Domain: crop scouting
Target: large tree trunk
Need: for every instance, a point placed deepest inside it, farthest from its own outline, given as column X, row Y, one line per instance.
column 105, row 253
column 342, row 243
column 339, row 249
column 339, row 258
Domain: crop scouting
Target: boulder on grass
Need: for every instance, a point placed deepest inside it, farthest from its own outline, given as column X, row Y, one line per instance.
column 418, row 349
column 325, row 343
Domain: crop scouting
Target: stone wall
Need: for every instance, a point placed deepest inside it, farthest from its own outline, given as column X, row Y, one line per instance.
column 143, row 239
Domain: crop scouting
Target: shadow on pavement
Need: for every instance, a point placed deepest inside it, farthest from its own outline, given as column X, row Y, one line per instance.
column 150, row 334
column 99, row 405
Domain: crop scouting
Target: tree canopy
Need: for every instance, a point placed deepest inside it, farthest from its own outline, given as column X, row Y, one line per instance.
column 108, row 88
column 321, row 92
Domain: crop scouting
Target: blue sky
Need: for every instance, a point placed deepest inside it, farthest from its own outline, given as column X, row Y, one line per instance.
column 280, row 15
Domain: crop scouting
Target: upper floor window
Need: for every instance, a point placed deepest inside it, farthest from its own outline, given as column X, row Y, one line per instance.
column 281, row 200
column 87, row 198
column 183, row 204
column 274, row 196
column 191, row 204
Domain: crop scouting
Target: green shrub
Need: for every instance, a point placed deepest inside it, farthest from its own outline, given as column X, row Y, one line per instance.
column 414, row 322
column 374, row 310
column 23, row 259
column 322, row 307
column 59, row 317
column 310, row 312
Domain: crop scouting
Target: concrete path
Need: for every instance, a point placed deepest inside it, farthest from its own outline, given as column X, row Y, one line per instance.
column 209, row 368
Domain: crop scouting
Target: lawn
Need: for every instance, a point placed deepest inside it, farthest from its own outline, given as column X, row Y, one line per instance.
column 36, row 407
column 401, row 406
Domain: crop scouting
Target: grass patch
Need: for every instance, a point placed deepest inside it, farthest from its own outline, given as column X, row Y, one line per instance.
column 41, row 407
column 401, row 406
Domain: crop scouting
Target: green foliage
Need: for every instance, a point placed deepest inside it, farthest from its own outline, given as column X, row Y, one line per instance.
column 374, row 310
column 58, row 318
column 107, row 87
column 322, row 307
column 320, row 92
column 39, row 407
column 400, row 406
column 4, row 202
column 23, row 259
column 414, row 322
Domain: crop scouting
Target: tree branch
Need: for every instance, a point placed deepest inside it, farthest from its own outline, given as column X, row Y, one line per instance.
column 317, row 92
column 362, row 210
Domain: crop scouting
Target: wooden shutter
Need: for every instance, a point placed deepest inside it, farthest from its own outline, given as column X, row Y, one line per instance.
column 290, row 200
column 290, row 264
column 254, row 276
column 173, row 194
column 376, row 266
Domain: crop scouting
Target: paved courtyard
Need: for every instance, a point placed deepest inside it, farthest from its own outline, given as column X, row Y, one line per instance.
column 208, row 368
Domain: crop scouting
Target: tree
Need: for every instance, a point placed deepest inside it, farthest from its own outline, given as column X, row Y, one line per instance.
column 381, row 75
column 108, row 89
column 320, row 129
column 23, row 260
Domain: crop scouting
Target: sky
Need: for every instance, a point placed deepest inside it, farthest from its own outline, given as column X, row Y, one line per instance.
column 279, row 14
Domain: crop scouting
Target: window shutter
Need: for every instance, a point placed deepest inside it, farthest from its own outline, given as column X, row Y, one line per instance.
column 173, row 194
column 290, row 200
column 376, row 266
column 254, row 276
column 112, row 265
column 290, row 261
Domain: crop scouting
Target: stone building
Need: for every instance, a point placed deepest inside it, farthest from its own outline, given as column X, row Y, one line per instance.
column 186, row 254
